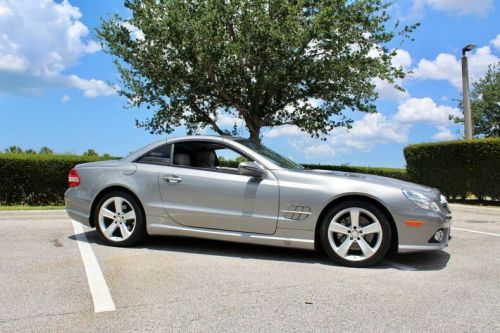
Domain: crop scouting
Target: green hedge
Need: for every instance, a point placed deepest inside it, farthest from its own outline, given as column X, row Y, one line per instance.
column 387, row 172
column 457, row 168
column 36, row 179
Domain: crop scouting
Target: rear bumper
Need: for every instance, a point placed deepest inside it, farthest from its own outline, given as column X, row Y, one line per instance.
column 77, row 205
column 78, row 217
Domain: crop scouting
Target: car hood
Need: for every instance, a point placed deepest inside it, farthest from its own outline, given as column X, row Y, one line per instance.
column 373, row 179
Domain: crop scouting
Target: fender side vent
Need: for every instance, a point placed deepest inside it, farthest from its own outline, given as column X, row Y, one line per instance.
column 296, row 213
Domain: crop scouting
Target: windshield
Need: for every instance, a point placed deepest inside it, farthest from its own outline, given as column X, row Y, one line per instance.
column 271, row 155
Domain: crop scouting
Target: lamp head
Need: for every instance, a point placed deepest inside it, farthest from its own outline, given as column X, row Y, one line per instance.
column 468, row 48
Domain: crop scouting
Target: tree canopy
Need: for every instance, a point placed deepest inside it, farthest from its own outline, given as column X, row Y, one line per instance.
column 90, row 152
column 485, row 104
column 46, row 151
column 266, row 62
column 14, row 150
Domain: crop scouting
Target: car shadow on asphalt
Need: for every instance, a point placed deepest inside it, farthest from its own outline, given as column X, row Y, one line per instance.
column 424, row 261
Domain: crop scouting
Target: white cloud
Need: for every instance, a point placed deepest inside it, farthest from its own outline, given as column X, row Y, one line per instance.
column 386, row 90
column 4, row 10
column 9, row 62
column 91, row 88
column 65, row 98
column 38, row 41
column 375, row 128
column 372, row 129
column 323, row 149
column 285, row 130
column 496, row 42
column 228, row 120
column 92, row 47
column 460, row 7
column 225, row 120
column 443, row 134
column 479, row 7
column 365, row 133
column 424, row 110
column 135, row 33
column 448, row 67
column 444, row 67
column 402, row 59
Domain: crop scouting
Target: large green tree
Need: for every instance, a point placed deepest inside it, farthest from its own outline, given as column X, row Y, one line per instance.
column 267, row 62
column 485, row 104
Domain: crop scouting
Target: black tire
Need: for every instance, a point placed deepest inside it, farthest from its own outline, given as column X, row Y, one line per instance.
column 382, row 219
column 139, row 231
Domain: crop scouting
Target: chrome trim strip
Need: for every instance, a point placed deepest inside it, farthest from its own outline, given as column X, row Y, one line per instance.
column 296, row 212
column 233, row 233
column 231, row 236
column 418, row 248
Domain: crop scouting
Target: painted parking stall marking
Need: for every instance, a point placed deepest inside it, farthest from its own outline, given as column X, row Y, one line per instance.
column 476, row 232
column 98, row 287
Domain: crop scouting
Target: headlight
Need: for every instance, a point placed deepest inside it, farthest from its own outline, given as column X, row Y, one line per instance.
column 443, row 199
column 420, row 200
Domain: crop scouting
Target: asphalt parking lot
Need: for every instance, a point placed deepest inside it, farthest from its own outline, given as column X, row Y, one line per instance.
column 182, row 284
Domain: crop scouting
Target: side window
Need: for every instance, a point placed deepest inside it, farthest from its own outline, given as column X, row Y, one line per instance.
column 207, row 155
column 229, row 160
column 160, row 156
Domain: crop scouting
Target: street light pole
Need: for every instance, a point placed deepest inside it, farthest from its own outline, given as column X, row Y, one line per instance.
column 465, row 89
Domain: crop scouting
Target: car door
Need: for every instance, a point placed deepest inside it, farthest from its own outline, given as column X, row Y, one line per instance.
column 217, row 198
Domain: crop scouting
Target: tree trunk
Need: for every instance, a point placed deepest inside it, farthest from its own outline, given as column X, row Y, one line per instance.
column 254, row 129
column 254, row 134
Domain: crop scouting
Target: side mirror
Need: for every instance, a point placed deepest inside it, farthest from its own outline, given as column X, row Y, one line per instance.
column 251, row 169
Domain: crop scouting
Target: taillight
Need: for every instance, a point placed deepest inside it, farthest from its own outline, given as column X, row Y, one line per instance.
column 73, row 178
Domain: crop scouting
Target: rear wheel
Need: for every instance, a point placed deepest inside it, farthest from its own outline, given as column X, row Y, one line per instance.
column 356, row 234
column 119, row 219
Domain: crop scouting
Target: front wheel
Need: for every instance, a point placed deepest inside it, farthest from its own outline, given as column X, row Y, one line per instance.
column 356, row 234
column 119, row 219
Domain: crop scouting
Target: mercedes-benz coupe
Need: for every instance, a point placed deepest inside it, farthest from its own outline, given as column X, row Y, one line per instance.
column 234, row 189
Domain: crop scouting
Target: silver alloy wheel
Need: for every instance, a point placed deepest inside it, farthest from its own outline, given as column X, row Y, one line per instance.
column 355, row 234
column 117, row 219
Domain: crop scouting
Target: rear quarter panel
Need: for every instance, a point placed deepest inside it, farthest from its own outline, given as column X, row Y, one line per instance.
column 140, row 179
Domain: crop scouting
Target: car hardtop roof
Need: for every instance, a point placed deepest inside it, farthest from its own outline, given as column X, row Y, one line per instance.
column 204, row 137
column 219, row 138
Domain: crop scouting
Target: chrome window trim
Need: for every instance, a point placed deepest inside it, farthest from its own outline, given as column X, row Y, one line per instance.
column 137, row 160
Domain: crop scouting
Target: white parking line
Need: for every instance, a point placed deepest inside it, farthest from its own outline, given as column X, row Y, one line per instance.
column 477, row 232
column 98, row 287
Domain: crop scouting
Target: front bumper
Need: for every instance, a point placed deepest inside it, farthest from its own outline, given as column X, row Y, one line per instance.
column 416, row 239
column 420, row 248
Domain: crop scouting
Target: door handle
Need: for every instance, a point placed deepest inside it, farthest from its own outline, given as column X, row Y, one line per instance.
column 172, row 179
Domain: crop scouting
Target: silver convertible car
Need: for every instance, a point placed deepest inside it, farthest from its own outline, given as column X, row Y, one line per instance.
column 233, row 189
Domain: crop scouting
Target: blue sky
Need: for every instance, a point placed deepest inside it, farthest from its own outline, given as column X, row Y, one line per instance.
column 54, row 91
